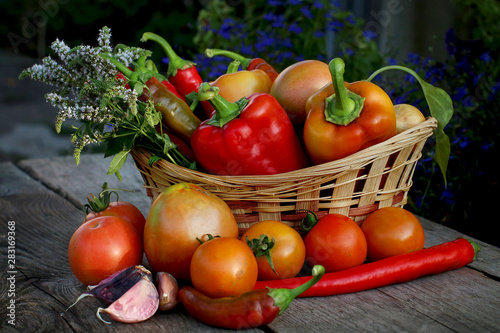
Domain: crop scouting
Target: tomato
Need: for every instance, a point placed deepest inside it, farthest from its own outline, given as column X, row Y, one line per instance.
column 125, row 210
column 287, row 254
column 223, row 267
column 391, row 231
column 336, row 242
column 179, row 215
column 296, row 83
column 103, row 246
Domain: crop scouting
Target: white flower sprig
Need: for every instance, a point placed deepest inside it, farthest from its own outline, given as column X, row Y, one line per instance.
column 87, row 90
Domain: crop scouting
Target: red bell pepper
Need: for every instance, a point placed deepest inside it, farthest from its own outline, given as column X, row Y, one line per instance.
column 398, row 269
column 181, row 73
column 252, row 136
column 246, row 63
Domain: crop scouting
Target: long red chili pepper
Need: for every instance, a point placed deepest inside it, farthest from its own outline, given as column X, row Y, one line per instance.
column 251, row 309
column 181, row 73
column 246, row 63
column 398, row 269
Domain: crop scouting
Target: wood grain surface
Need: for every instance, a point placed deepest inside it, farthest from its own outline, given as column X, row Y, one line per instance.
column 44, row 198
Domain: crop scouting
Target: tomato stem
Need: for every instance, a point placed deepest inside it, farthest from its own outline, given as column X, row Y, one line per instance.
column 343, row 106
column 262, row 247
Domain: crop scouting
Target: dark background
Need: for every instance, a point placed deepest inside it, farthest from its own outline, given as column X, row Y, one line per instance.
column 402, row 31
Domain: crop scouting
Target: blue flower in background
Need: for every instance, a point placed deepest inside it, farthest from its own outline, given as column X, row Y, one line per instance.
column 486, row 57
column 319, row 33
column 275, row 2
column 306, row 12
column 294, row 28
column 318, row 4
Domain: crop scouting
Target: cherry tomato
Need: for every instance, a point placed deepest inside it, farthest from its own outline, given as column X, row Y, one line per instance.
column 125, row 210
column 287, row 254
column 336, row 242
column 391, row 231
column 103, row 246
column 296, row 83
column 181, row 214
column 223, row 267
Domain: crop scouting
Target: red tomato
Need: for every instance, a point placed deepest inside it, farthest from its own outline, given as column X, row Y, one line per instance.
column 125, row 210
column 391, row 231
column 180, row 215
column 103, row 246
column 336, row 242
column 223, row 267
column 287, row 254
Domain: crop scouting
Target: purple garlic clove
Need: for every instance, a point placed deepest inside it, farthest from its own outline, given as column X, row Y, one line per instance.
column 114, row 286
column 167, row 289
column 138, row 304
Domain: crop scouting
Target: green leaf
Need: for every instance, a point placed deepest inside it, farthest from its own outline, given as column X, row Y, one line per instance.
column 441, row 108
column 123, row 140
column 117, row 163
column 153, row 159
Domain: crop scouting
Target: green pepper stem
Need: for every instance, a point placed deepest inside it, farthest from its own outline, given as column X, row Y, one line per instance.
column 175, row 62
column 233, row 67
column 245, row 62
column 283, row 296
column 343, row 106
column 224, row 111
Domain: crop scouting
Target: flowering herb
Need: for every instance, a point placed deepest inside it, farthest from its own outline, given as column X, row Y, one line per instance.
column 88, row 90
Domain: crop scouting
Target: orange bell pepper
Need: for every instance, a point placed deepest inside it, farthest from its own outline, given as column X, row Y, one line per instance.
column 344, row 118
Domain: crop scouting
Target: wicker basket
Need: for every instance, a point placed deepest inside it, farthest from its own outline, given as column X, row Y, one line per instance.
column 376, row 177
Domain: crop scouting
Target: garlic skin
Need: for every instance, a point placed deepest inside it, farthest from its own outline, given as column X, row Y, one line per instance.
column 113, row 287
column 407, row 116
column 138, row 304
column 167, row 290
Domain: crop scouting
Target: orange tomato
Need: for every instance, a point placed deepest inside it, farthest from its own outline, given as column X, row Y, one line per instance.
column 287, row 254
column 391, row 231
column 223, row 267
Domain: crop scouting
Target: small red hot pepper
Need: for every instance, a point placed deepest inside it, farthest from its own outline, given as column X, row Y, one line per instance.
column 181, row 73
column 251, row 309
column 246, row 63
column 253, row 136
column 398, row 269
column 344, row 118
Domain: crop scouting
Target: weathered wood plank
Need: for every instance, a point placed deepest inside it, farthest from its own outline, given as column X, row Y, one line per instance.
column 462, row 300
column 76, row 182
column 44, row 284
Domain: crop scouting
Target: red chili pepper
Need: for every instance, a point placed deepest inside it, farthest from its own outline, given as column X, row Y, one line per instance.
column 398, row 269
column 251, row 309
column 252, row 136
column 181, row 73
column 246, row 63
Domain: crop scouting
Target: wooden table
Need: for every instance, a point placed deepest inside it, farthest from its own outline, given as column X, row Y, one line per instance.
column 43, row 198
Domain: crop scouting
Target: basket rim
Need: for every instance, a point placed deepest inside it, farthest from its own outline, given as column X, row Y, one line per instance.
column 424, row 129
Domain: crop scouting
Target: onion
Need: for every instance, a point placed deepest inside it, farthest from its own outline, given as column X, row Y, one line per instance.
column 407, row 116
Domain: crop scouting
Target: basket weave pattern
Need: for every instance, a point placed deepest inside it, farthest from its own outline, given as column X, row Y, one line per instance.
column 355, row 186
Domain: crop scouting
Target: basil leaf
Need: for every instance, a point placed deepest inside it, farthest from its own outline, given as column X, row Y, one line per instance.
column 117, row 163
